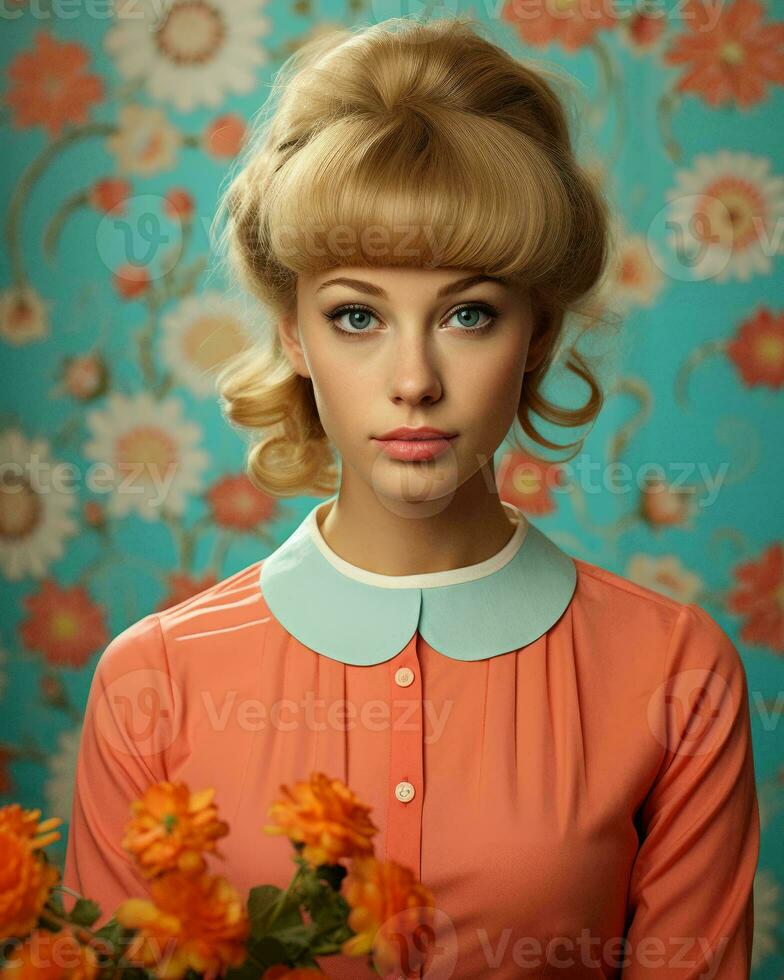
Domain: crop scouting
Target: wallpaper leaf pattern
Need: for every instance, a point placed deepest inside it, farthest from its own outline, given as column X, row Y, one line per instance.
column 118, row 130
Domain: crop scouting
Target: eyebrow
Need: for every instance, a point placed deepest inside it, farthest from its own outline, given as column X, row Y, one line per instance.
column 453, row 287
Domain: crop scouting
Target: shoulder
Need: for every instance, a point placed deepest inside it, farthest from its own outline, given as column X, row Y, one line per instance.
column 676, row 634
column 221, row 615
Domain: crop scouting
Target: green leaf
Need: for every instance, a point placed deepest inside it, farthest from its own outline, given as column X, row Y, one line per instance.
column 333, row 874
column 261, row 904
column 56, row 902
column 85, row 912
column 115, row 936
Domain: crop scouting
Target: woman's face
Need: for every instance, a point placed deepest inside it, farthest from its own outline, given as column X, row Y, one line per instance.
column 390, row 347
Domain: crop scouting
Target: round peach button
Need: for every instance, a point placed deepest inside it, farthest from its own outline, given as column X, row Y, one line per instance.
column 404, row 676
column 404, row 792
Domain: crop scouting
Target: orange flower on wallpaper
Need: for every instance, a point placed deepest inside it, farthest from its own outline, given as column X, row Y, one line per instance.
column 50, row 87
column 759, row 598
column 526, row 482
column 225, row 136
column 572, row 23
column 196, row 921
column 25, row 878
column 664, row 505
column 64, row 624
column 732, row 61
column 757, row 349
column 131, row 280
column 325, row 816
column 644, row 30
column 238, row 505
column 387, row 902
column 46, row 955
column 109, row 195
column 172, row 828
column 183, row 586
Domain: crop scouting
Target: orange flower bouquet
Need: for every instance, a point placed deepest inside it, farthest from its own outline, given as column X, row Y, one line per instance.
column 340, row 900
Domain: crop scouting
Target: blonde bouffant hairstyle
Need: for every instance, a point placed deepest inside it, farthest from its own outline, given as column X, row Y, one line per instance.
column 405, row 143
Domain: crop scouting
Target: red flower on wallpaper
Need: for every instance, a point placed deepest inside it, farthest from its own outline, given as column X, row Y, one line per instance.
column 131, row 281
column 644, row 30
column 238, row 505
column 183, row 586
column 757, row 349
column 572, row 23
column 759, row 597
column 178, row 204
column 665, row 505
column 225, row 136
column 734, row 60
column 64, row 624
column 526, row 481
column 49, row 85
column 109, row 194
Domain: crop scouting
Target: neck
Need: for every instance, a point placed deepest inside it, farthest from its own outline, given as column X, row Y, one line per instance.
column 403, row 537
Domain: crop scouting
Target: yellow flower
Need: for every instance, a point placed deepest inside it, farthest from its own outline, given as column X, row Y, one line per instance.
column 48, row 955
column 25, row 877
column 386, row 902
column 325, row 816
column 172, row 827
column 193, row 920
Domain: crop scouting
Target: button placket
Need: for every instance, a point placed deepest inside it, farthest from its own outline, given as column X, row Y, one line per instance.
column 406, row 762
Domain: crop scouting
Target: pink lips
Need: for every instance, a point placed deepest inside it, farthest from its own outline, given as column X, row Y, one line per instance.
column 414, row 450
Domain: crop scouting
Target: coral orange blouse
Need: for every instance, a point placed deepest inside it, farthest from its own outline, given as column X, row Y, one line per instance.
column 563, row 756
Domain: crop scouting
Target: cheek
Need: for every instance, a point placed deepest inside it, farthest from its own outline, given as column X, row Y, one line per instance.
column 496, row 382
column 342, row 394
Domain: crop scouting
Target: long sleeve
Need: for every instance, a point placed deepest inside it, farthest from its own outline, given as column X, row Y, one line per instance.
column 129, row 721
column 690, row 903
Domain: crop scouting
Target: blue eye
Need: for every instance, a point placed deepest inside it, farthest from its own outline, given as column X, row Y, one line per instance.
column 356, row 313
column 358, row 316
column 473, row 311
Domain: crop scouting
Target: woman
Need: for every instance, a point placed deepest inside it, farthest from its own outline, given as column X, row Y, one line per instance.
column 561, row 755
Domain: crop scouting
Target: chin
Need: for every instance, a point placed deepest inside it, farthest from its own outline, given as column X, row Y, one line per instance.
column 399, row 484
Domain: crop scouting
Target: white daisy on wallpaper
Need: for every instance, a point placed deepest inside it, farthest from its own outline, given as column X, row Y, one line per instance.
column 199, row 335
column 36, row 506
column 665, row 574
column 190, row 53
column 151, row 455
column 145, row 142
column 58, row 788
column 725, row 215
column 766, row 916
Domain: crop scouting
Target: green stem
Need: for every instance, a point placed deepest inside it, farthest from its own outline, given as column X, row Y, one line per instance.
column 25, row 184
column 284, row 896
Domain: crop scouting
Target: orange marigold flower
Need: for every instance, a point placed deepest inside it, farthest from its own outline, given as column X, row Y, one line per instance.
column 25, row 877
column 194, row 921
column 171, row 828
column 387, row 902
column 325, row 816
column 48, row 955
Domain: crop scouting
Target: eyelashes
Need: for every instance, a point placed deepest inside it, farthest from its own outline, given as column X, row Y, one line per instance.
column 334, row 315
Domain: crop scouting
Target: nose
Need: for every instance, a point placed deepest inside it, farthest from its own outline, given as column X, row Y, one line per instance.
column 413, row 375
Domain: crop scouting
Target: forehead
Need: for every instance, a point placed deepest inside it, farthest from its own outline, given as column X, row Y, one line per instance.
column 386, row 281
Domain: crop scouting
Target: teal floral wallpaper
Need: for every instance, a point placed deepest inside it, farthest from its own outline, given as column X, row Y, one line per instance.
column 119, row 122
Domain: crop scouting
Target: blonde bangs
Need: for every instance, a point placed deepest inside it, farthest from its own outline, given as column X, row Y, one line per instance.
column 425, row 188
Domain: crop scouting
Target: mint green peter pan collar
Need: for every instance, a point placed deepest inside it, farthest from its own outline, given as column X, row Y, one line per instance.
column 362, row 618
